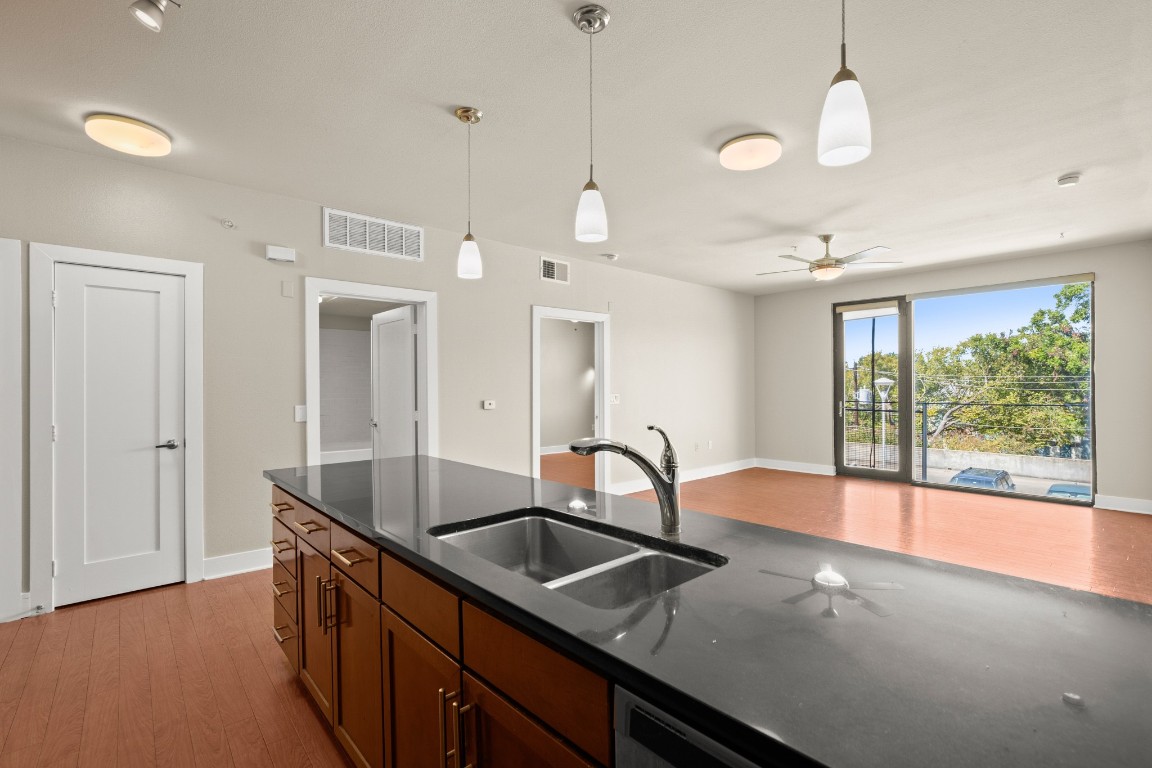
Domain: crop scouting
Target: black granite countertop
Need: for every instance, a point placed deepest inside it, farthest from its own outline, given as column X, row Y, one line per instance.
column 968, row 668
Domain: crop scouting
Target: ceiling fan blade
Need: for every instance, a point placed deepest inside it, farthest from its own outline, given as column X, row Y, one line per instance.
column 873, row 264
column 781, row 271
column 875, row 251
column 792, row 258
column 867, row 604
column 876, row 585
column 785, row 575
column 797, row 598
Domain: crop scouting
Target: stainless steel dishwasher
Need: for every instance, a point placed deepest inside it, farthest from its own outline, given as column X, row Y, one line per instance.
column 647, row 737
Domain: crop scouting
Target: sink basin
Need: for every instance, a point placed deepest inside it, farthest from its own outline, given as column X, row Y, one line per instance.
column 540, row 548
column 587, row 560
column 637, row 579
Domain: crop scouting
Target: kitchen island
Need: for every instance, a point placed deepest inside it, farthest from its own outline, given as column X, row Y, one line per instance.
column 956, row 667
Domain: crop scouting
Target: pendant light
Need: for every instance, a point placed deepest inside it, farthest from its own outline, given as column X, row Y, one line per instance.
column 591, row 216
column 845, row 130
column 468, row 264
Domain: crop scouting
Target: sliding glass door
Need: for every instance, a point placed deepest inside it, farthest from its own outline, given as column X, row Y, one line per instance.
column 873, row 386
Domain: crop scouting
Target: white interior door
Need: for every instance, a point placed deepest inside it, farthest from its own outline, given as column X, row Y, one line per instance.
column 394, row 412
column 118, row 346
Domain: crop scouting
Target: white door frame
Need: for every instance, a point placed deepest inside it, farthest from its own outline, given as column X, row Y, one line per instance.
column 12, row 603
column 42, row 261
column 427, row 355
column 601, row 357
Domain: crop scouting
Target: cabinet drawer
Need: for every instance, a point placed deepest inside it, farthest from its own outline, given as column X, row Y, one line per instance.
column 421, row 602
column 356, row 558
column 283, row 505
column 519, row 666
column 285, row 631
column 284, row 589
column 284, row 546
column 312, row 527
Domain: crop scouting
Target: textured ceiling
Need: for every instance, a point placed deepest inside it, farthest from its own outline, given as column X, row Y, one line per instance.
column 977, row 106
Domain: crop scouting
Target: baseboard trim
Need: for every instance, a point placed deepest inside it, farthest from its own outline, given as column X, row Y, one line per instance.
column 1122, row 504
column 25, row 609
column 687, row 476
column 547, row 450
column 796, row 466
column 238, row 562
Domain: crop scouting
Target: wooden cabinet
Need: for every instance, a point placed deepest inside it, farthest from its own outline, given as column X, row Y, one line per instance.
column 357, row 714
column 316, row 623
column 410, row 676
column 421, row 696
column 495, row 733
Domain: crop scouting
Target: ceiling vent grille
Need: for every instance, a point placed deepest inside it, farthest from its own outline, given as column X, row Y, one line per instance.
column 554, row 270
column 367, row 234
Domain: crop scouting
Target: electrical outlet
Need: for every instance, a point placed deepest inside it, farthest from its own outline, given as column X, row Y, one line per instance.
column 301, row 413
column 488, row 405
column 613, row 399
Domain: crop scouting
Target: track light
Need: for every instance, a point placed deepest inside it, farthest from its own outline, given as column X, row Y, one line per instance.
column 150, row 13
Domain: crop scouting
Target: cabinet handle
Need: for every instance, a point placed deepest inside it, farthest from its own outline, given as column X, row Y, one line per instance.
column 281, row 545
column 331, row 618
column 339, row 554
column 280, row 638
column 305, row 529
column 320, row 604
column 442, row 699
column 277, row 592
column 281, row 506
column 458, row 713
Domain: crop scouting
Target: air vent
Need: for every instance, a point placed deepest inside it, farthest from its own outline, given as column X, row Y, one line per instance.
column 553, row 270
column 367, row 234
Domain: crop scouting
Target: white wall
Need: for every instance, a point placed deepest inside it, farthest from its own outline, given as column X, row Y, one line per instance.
column 345, row 388
column 567, row 381
column 688, row 371
column 794, row 417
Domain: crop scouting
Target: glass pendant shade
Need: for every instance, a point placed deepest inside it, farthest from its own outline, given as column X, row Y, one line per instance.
column 845, row 128
column 591, row 216
column 827, row 271
column 468, row 264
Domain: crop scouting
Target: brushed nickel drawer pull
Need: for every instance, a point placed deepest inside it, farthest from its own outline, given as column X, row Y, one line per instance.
column 305, row 529
column 279, row 507
column 281, row 638
column 278, row 592
column 281, row 545
column 339, row 555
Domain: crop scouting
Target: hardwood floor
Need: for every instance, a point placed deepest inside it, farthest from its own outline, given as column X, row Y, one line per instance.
column 569, row 468
column 186, row 675
column 1090, row 549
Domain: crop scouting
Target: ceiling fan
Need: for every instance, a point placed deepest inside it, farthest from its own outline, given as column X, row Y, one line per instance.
column 829, row 268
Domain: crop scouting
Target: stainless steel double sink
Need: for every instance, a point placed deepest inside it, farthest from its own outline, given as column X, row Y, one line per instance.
column 597, row 564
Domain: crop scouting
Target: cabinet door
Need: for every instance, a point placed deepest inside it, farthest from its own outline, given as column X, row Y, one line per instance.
column 421, row 683
column 495, row 733
column 357, row 715
column 315, row 586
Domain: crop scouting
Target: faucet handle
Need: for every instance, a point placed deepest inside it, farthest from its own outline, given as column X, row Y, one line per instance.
column 668, row 457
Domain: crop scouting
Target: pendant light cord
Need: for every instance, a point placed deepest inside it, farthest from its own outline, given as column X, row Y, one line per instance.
column 590, row 162
column 469, row 178
column 843, row 36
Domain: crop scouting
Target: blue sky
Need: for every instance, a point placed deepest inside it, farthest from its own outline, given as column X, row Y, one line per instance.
column 946, row 320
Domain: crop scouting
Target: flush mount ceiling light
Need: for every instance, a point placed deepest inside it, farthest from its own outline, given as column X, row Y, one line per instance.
column 591, row 216
column 748, row 153
column 469, row 266
column 150, row 13
column 845, row 129
column 126, row 135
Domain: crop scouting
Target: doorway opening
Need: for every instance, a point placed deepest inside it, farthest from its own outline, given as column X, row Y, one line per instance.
column 569, row 394
column 370, row 371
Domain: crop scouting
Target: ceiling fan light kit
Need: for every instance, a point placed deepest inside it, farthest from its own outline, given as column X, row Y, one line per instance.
column 845, row 135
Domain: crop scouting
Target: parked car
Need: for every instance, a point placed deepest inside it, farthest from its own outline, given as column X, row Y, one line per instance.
column 978, row 477
column 1076, row 491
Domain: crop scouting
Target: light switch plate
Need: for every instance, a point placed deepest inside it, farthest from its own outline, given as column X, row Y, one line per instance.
column 301, row 413
column 613, row 399
column 288, row 289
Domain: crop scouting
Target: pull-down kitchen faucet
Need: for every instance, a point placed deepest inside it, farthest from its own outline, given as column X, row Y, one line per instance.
column 665, row 478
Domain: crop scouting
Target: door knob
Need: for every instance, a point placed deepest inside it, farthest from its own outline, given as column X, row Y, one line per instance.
column 170, row 445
